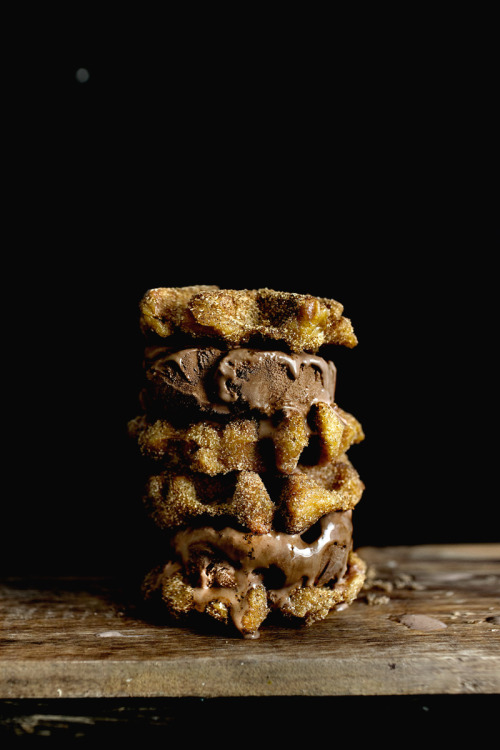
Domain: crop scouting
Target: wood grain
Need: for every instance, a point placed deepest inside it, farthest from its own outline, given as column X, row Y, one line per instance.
column 428, row 622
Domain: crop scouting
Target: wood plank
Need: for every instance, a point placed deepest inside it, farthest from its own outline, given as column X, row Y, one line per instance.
column 428, row 622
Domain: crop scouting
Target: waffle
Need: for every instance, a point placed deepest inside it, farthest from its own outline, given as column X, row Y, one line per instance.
column 214, row 447
column 243, row 603
column 239, row 316
column 251, row 501
column 245, row 449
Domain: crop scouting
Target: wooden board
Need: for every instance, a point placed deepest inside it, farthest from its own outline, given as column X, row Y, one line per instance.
column 428, row 622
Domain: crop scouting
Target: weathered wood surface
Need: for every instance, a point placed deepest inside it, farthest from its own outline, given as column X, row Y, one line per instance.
column 428, row 622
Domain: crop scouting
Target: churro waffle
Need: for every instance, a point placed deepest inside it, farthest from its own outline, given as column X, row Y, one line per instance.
column 245, row 449
column 215, row 447
column 243, row 316
column 254, row 502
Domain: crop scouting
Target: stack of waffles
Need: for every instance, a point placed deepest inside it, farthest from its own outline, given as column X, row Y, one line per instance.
column 247, row 479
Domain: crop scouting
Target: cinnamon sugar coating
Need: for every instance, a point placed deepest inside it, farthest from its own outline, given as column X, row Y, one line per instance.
column 245, row 451
column 292, row 502
column 173, row 500
column 240, row 316
column 310, row 604
column 313, row 491
column 167, row 588
column 213, row 447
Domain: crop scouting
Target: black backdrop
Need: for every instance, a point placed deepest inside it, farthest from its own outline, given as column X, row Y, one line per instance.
column 368, row 182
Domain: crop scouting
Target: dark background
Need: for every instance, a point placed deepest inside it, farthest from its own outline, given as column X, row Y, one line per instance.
column 366, row 173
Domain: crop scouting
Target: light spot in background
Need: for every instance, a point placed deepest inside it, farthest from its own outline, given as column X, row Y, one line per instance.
column 82, row 75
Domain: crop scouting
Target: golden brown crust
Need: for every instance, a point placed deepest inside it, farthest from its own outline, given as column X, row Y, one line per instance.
column 214, row 448
column 173, row 500
column 164, row 310
column 302, row 322
column 303, row 605
column 291, row 502
column 310, row 604
column 207, row 447
column 310, row 493
column 255, row 500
